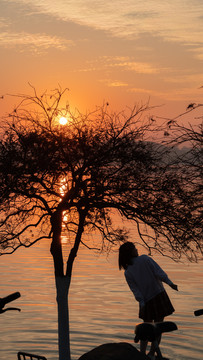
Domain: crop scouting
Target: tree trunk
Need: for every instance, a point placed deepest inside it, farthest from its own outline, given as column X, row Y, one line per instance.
column 63, row 281
column 62, row 288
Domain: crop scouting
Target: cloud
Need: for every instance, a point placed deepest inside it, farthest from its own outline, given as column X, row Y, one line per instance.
column 138, row 67
column 198, row 51
column 128, row 64
column 117, row 84
column 168, row 95
column 120, row 62
column 174, row 21
column 114, row 83
column 33, row 41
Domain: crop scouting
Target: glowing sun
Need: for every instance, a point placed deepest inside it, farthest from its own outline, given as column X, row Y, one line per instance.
column 63, row 120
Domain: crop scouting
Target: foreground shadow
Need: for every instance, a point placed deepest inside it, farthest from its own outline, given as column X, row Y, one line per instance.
column 114, row 351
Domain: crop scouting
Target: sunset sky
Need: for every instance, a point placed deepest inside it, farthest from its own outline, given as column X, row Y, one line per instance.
column 118, row 51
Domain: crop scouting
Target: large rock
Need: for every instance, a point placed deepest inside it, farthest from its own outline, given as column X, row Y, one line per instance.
column 114, row 351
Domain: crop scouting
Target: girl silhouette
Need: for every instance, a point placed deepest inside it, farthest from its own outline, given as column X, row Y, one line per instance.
column 144, row 277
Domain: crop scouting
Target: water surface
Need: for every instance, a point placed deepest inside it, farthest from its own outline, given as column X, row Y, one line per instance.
column 102, row 308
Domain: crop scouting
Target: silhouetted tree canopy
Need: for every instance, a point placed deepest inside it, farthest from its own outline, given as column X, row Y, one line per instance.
column 86, row 176
column 67, row 179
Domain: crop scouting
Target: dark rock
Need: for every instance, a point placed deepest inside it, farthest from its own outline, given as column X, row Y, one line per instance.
column 114, row 351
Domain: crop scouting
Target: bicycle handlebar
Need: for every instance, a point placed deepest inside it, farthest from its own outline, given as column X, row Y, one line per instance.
column 5, row 300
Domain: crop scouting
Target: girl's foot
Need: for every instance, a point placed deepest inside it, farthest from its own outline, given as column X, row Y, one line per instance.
column 151, row 356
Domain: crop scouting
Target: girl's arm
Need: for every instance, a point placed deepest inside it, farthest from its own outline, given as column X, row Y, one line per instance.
column 160, row 273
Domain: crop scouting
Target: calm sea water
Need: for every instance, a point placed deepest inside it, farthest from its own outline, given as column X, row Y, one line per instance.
column 102, row 308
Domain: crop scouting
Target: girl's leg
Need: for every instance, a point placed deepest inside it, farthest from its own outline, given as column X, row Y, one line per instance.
column 152, row 349
column 143, row 344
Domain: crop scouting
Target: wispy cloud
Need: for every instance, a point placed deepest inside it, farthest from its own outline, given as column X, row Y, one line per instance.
column 117, row 84
column 159, row 43
column 198, row 51
column 128, row 64
column 138, row 67
column 174, row 95
column 178, row 20
column 184, row 78
column 120, row 62
column 37, row 42
column 114, row 83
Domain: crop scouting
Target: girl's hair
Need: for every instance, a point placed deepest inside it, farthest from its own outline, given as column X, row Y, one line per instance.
column 126, row 253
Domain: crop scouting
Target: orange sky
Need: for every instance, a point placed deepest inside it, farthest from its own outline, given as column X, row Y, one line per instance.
column 118, row 51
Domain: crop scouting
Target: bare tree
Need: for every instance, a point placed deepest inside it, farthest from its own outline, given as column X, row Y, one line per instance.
column 66, row 180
